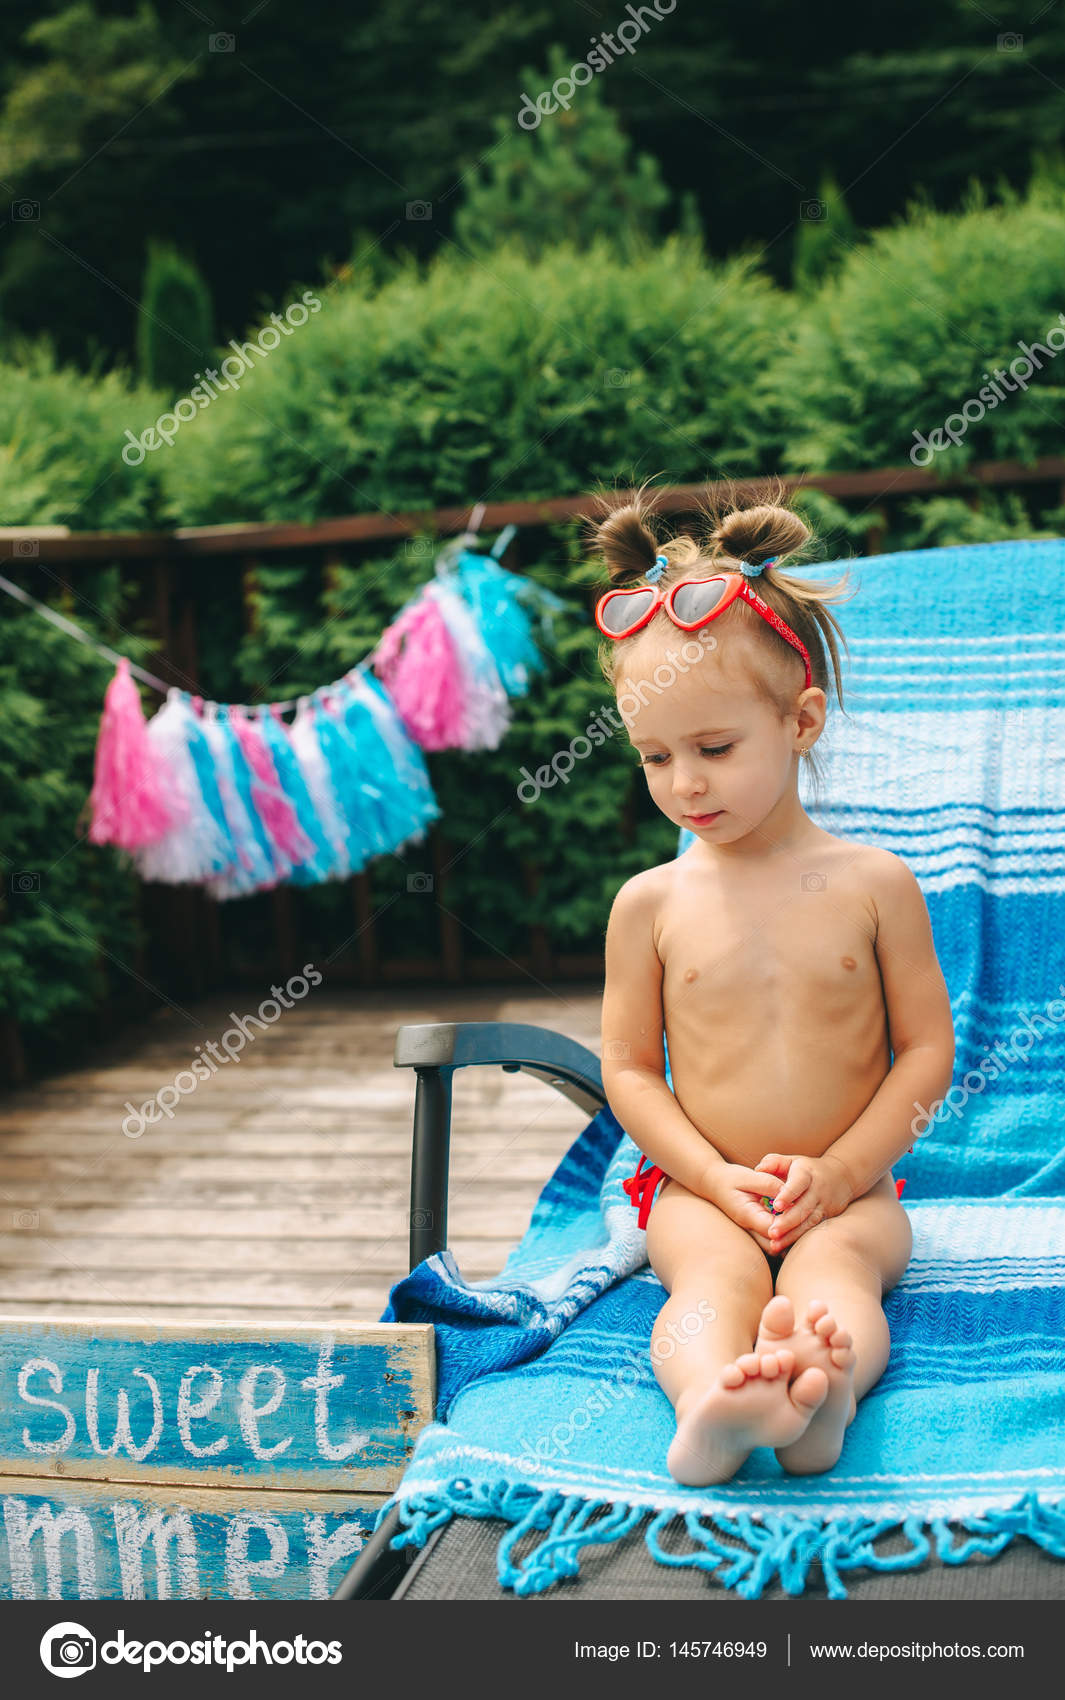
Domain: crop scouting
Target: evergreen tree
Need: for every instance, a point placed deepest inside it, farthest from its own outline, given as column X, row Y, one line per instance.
column 826, row 233
column 175, row 329
column 571, row 177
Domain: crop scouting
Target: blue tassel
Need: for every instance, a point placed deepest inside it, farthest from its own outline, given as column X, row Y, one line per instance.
column 408, row 803
column 393, row 814
column 320, row 865
column 205, row 774
column 503, row 604
column 267, row 867
column 351, row 787
column 783, row 1545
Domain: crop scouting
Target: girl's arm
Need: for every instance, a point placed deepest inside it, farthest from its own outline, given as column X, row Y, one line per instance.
column 920, row 1027
column 633, row 1055
column 921, row 1032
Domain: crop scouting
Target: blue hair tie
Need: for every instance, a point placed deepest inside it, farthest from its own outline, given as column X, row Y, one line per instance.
column 653, row 574
column 750, row 571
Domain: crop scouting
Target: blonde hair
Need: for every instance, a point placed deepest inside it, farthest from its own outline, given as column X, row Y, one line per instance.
column 754, row 526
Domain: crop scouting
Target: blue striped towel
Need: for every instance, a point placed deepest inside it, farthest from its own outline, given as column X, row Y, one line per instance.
column 952, row 754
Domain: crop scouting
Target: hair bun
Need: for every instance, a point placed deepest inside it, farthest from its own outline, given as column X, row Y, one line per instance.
column 759, row 533
column 626, row 542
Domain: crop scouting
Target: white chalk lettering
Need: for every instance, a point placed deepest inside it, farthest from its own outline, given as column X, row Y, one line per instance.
column 123, row 1436
column 240, row 1569
column 250, row 1412
column 133, row 1529
column 190, row 1410
column 34, row 1366
column 21, row 1528
column 320, row 1384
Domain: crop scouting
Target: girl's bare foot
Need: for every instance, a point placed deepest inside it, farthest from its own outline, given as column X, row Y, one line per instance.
column 757, row 1401
column 816, row 1342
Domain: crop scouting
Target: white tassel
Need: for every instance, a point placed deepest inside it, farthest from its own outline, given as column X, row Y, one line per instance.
column 197, row 849
column 488, row 708
column 315, row 773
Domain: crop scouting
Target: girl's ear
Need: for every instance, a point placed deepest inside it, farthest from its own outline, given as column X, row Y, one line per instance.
column 810, row 711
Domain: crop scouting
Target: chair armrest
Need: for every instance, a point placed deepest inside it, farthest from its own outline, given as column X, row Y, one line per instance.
column 435, row 1050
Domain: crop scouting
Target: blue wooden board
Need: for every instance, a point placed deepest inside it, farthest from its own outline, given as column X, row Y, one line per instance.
column 104, row 1542
column 239, row 1405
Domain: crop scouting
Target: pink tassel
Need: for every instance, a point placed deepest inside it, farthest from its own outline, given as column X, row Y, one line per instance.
column 134, row 800
column 420, row 666
column 274, row 808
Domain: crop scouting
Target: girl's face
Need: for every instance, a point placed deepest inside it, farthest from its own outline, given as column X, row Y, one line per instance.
column 717, row 757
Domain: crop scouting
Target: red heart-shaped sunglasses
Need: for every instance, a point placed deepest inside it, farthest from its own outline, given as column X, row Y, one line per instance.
column 690, row 603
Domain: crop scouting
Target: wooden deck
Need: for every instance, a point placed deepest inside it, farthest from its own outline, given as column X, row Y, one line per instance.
column 279, row 1188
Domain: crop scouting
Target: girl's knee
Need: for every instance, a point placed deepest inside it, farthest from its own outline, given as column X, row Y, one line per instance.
column 727, row 1283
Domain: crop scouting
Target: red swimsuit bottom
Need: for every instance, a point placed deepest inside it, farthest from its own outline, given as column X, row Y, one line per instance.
column 641, row 1188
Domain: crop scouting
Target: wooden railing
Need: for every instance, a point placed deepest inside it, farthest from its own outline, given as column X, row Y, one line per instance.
column 188, row 950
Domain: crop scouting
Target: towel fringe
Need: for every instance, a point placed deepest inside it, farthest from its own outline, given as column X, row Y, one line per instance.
column 783, row 1545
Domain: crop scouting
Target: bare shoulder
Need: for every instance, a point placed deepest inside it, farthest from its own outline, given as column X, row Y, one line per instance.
column 642, row 895
column 877, row 881
column 889, row 884
column 869, row 865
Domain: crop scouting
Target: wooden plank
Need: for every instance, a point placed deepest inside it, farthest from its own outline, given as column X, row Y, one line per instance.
column 525, row 1160
column 323, row 1177
column 82, row 1540
column 328, row 1409
column 299, row 1255
column 362, row 1301
column 220, row 1291
column 152, row 1216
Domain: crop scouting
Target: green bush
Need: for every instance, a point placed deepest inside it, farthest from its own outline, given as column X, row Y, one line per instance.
column 69, row 924
column 504, row 378
column 906, row 332
column 61, row 438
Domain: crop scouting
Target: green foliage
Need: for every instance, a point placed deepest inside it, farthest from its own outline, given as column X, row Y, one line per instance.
column 61, row 438
column 907, row 331
column 89, row 76
column 68, row 910
column 526, row 378
column 941, row 520
column 826, row 233
column 175, row 327
column 565, row 175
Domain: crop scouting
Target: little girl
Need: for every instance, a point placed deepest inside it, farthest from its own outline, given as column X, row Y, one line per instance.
column 796, row 978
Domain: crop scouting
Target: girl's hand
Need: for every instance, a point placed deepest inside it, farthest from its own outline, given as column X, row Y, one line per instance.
column 739, row 1191
column 814, row 1189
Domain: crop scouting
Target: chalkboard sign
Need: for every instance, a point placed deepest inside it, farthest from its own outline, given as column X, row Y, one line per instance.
column 178, row 1461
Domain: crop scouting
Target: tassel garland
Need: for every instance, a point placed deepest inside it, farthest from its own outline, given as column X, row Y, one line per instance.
column 235, row 800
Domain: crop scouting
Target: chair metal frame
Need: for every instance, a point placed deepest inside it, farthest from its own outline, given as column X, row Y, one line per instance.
column 435, row 1050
